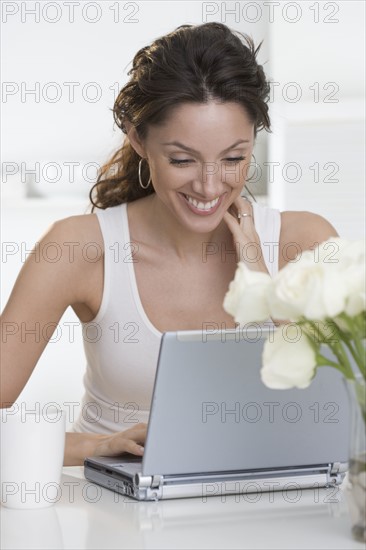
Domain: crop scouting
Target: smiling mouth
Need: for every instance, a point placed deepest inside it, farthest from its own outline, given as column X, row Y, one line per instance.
column 203, row 206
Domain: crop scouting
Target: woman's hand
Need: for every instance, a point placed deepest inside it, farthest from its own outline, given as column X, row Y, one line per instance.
column 246, row 239
column 128, row 441
column 80, row 445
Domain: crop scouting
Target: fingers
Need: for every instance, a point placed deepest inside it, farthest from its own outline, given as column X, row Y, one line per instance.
column 236, row 222
column 233, row 225
column 244, row 232
column 242, row 205
column 238, row 207
column 137, row 433
column 127, row 441
column 133, row 448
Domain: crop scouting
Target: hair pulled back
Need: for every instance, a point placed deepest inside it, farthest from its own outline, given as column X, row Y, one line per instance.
column 193, row 63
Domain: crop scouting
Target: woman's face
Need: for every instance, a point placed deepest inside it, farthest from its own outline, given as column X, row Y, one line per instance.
column 198, row 161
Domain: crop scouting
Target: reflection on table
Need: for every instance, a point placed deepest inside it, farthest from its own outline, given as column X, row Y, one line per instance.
column 89, row 516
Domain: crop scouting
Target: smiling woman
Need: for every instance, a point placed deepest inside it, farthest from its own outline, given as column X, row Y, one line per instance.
column 194, row 185
column 172, row 224
column 191, row 65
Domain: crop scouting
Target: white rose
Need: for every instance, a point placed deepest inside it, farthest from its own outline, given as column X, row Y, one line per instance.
column 353, row 264
column 347, row 258
column 308, row 288
column 353, row 252
column 356, row 289
column 246, row 299
column 330, row 251
column 288, row 360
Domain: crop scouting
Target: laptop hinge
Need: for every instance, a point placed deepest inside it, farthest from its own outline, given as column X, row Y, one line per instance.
column 337, row 472
column 148, row 487
column 142, row 481
column 148, row 481
column 339, row 467
column 156, row 482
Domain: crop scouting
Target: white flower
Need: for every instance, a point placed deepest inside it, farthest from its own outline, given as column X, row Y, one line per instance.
column 352, row 252
column 288, row 360
column 321, row 284
column 328, row 252
column 313, row 289
column 353, row 265
column 355, row 298
column 246, row 299
column 347, row 258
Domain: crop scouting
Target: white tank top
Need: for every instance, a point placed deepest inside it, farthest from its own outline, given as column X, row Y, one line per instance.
column 121, row 344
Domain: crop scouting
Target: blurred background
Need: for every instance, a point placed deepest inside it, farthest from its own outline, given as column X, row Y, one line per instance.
column 62, row 67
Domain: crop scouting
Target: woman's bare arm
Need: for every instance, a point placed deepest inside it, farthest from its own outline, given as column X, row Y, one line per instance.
column 42, row 292
column 80, row 445
column 301, row 231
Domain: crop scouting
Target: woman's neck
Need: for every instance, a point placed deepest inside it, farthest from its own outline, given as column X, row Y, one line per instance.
column 161, row 226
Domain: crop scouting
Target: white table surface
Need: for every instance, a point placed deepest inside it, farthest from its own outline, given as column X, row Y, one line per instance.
column 89, row 516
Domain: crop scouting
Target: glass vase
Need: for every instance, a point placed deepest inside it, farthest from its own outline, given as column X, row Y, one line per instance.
column 356, row 486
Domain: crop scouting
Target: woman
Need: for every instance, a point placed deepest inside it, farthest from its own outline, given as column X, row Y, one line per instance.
column 171, row 225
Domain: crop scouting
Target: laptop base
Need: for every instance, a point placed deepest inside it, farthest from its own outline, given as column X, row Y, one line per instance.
column 116, row 477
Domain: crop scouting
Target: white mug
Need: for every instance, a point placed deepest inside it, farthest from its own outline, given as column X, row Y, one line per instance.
column 32, row 449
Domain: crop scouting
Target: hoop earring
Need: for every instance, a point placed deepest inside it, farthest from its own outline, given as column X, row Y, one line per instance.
column 256, row 166
column 141, row 184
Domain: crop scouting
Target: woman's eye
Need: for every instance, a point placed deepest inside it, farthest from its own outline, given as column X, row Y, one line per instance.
column 236, row 159
column 176, row 161
column 186, row 161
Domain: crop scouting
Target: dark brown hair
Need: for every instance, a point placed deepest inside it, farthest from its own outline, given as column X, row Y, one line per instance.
column 193, row 63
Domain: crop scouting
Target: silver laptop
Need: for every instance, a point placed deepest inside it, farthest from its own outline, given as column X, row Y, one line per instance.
column 216, row 429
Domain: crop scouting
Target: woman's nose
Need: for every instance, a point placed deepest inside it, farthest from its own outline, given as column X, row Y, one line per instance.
column 208, row 183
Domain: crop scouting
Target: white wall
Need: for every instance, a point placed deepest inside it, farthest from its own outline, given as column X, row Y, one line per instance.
column 79, row 129
column 318, row 112
column 37, row 54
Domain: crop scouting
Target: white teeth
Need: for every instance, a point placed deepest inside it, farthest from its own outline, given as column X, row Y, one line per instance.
column 202, row 205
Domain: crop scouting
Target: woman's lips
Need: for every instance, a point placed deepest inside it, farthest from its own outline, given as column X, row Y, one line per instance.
column 199, row 211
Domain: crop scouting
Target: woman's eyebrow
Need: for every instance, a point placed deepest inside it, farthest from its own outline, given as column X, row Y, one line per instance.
column 182, row 146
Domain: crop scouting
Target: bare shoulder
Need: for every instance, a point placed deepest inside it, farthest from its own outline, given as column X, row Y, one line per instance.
column 80, row 245
column 302, row 230
column 81, row 229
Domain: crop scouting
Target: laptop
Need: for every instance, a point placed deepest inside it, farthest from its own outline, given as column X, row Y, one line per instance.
column 215, row 429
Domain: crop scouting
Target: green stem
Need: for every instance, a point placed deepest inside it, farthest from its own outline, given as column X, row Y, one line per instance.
column 360, row 322
column 362, row 352
column 359, row 354
column 340, row 353
column 337, row 348
column 324, row 362
column 354, row 352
